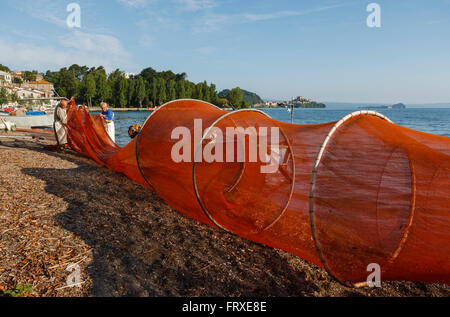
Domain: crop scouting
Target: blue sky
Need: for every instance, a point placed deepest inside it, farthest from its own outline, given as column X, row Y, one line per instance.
column 276, row 48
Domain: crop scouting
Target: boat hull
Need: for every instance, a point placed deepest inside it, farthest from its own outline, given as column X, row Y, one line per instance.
column 26, row 122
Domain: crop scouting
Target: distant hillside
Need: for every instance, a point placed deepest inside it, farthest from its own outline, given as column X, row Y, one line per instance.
column 250, row 97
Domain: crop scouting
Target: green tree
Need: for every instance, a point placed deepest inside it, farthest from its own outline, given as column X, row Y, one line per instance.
column 213, row 93
column 29, row 76
column 199, row 91
column 162, row 94
column 154, row 92
column 140, row 91
column 89, row 88
column 4, row 68
column 147, row 98
column 171, row 91
column 79, row 71
column 245, row 104
column 115, row 75
column 14, row 97
column 52, row 77
column 181, row 90
column 4, row 96
column 235, row 97
column 61, row 91
column 189, row 89
column 150, row 87
column 121, row 91
column 148, row 74
column 67, row 84
column 103, row 91
column 222, row 102
column 131, row 92
column 205, row 91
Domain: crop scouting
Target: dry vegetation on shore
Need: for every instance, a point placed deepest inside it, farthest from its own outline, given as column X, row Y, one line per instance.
column 60, row 208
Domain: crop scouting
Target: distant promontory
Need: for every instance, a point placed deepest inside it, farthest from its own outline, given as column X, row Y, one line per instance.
column 248, row 98
column 299, row 102
column 396, row 106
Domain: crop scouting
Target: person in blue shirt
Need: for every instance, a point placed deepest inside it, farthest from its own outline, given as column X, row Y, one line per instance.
column 108, row 119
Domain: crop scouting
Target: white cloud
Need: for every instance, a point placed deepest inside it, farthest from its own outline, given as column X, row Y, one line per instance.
column 195, row 5
column 46, row 10
column 189, row 5
column 27, row 51
column 99, row 43
column 250, row 17
column 213, row 22
column 77, row 48
column 133, row 3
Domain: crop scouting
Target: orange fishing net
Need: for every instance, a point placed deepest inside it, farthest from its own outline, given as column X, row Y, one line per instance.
column 341, row 195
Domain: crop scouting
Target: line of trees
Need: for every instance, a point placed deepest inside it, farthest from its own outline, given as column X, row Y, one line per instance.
column 240, row 98
column 233, row 98
column 147, row 89
column 4, row 68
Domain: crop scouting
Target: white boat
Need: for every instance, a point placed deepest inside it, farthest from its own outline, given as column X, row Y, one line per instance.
column 28, row 122
column 7, row 125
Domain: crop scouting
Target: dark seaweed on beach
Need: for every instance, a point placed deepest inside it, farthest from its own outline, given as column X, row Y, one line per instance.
column 58, row 209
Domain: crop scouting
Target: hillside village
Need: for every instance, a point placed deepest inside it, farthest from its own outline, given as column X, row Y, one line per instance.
column 21, row 90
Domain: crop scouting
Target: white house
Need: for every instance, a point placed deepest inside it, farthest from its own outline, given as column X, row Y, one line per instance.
column 5, row 77
column 29, row 93
column 128, row 75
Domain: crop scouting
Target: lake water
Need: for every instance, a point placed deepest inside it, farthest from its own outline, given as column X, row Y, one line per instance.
column 436, row 121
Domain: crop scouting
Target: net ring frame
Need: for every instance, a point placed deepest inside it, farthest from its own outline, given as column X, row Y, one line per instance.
column 145, row 123
column 194, row 179
column 402, row 242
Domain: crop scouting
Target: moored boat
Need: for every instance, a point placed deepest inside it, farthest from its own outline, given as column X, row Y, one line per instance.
column 25, row 121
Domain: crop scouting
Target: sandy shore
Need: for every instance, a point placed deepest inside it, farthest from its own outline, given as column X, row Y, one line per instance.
column 60, row 208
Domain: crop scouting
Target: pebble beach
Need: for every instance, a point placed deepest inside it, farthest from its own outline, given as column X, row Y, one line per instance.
column 59, row 209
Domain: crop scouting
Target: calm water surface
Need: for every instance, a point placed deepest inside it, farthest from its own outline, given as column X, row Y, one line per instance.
column 436, row 121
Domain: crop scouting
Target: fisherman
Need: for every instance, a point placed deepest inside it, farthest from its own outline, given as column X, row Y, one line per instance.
column 108, row 116
column 60, row 125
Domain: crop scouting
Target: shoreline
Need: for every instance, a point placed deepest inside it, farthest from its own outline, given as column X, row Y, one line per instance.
column 62, row 208
column 98, row 109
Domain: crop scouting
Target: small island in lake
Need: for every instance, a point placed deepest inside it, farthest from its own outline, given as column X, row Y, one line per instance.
column 299, row 102
column 396, row 106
